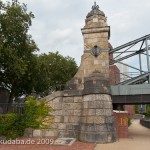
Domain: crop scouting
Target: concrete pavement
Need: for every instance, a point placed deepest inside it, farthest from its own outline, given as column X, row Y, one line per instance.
column 139, row 139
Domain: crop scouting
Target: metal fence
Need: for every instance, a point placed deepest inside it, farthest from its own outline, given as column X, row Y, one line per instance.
column 11, row 108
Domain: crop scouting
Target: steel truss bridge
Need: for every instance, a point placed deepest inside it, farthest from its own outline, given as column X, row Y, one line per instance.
column 136, row 88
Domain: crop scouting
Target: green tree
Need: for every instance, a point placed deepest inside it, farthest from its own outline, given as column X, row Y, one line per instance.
column 53, row 70
column 16, row 47
column 21, row 70
column 36, row 115
column 147, row 110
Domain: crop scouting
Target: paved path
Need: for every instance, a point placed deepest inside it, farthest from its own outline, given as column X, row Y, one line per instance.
column 139, row 139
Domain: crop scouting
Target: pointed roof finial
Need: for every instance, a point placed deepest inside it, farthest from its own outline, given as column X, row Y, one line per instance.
column 95, row 6
column 95, row 10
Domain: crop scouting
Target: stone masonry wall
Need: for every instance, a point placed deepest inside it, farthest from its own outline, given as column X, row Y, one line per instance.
column 84, row 109
column 88, row 118
column 97, row 122
column 67, row 114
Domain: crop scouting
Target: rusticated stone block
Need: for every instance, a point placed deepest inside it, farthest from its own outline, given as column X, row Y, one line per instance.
column 108, row 112
column 77, row 112
column 85, row 104
column 37, row 133
column 91, row 112
column 84, row 112
column 82, row 127
column 78, row 99
column 90, row 137
column 71, row 106
column 62, row 126
column 109, row 119
column 54, row 126
column 57, row 105
column 72, row 134
column 90, row 119
column 108, row 105
column 77, row 106
column 66, row 119
column 67, row 106
column 101, row 138
column 99, row 97
column 58, row 113
column 68, row 112
column 96, row 137
column 110, row 127
column 83, row 119
column 99, row 104
column 63, row 133
column 57, row 100
column 90, row 127
column 50, row 133
column 50, row 103
column 28, row 132
column 99, row 119
column 101, row 128
column 111, row 137
column 68, row 99
column 89, row 97
column 102, row 97
column 100, row 112
column 59, row 119
column 73, row 119
column 73, row 127
column 91, row 104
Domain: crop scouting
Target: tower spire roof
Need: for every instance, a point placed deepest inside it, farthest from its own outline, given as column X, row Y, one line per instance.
column 95, row 11
column 95, row 6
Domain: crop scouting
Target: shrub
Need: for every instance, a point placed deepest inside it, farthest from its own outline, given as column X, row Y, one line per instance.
column 36, row 115
column 11, row 125
column 147, row 114
column 129, row 121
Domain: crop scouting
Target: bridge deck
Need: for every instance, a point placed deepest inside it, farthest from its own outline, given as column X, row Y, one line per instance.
column 131, row 94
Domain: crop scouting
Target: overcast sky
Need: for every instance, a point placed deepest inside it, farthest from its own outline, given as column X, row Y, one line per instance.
column 57, row 24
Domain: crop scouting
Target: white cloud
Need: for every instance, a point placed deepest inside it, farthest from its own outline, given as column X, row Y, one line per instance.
column 57, row 23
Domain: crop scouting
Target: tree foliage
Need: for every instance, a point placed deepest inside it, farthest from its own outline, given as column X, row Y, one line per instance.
column 53, row 71
column 21, row 70
column 16, row 46
column 37, row 115
column 147, row 110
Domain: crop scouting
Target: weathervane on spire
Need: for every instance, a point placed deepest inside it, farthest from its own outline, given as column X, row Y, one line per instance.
column 95, row 6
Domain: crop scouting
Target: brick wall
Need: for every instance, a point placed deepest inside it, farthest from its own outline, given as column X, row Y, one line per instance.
column 121, row 120
column 114, row 74
column 131, row 110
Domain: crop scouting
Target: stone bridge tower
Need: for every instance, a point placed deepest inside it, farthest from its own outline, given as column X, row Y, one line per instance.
column 96, row 34
column 84, row 109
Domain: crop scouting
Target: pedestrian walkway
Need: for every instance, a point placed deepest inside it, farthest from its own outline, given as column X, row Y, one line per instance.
column 139, row 139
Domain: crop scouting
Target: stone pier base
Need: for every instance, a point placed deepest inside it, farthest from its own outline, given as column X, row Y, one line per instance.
column 97, row 120
column 85, row 114
column 89, row 118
